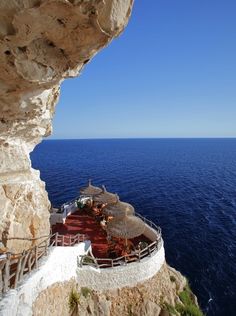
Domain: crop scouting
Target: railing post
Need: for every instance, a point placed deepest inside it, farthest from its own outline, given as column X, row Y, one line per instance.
column 46, row 248
column 70, row 240
column 23, row 264
column 36, row 257
column 56, row 239
column 63, row 240
column 139, row 255
column 29, row 261
column 81, row 261
column 149, row 251
column 18, row 270
column 6, row 274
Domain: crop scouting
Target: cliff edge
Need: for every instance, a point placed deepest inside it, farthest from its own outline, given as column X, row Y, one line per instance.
column 166, row 293
column 42, row 42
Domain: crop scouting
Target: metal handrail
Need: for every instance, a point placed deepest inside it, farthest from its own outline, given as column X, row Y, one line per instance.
column 149, row 222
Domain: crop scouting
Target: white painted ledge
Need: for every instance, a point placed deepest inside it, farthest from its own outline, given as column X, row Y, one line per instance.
column 59, row 266
column 56, row 218
column 118, row 277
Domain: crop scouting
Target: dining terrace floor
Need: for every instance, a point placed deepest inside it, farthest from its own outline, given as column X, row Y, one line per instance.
column 83, row 222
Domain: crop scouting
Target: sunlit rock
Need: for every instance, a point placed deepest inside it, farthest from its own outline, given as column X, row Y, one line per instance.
column 41, row 43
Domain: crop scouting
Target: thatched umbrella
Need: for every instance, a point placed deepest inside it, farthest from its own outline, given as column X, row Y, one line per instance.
column 127, row 227
column 90, row 190
column 105, row 197
column 119, row 209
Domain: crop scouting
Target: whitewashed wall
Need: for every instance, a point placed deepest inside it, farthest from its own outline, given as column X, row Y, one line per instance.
column 61, row 217
column 59, row 266
column 127, row 275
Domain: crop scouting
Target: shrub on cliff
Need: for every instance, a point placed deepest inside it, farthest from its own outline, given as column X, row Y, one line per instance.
column 74, row 300
column 189, row 306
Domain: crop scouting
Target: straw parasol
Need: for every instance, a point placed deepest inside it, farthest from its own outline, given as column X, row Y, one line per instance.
column 127, row 227
column 90, row 190
column 119, row 209
column 105, row 197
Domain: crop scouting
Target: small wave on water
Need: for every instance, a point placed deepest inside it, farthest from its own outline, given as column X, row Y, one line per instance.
column 187, row 186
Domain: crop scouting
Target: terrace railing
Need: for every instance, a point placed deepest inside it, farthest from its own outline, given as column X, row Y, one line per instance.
column 71, row 240
column 150, row 223
column 135, row 256
column 13, row 266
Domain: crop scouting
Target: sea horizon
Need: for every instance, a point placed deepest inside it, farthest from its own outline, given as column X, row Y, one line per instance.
column 142, row 138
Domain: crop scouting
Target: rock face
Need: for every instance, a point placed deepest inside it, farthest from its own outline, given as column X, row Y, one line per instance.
column 42, row 42
column 149, row 298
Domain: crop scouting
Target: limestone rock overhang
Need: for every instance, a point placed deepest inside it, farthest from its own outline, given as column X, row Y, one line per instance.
column 42, row 42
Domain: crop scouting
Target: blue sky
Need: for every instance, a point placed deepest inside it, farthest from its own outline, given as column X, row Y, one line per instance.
column 172, row 73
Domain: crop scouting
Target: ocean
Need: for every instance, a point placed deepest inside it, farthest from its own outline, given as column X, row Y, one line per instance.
column 187, row 186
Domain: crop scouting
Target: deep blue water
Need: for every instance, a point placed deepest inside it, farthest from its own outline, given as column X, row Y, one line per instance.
column 187, row 186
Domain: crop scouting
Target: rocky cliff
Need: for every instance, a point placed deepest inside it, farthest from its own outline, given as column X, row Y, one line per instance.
column 166, row 293
column 42, row 42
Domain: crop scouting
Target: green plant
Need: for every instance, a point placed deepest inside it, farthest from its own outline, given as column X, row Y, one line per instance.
column 142, row 245
column 74, row 300
column 188, row 308
column 87, row 260
column 170, row 309
column 85, row 291
column 130, row 313
column 185, row 297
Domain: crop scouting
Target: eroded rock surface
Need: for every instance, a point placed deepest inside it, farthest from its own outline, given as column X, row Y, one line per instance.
column 42, row 42
column 148, row 298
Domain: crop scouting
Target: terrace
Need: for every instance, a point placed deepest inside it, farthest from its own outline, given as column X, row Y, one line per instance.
column 118, row 235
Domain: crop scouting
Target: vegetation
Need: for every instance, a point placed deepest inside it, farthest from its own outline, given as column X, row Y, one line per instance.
column 189, row 310
column 74, row 301
column 186, row 296
column 87, row 260
column 170, row 309
column 188, row 306
column 142, row 245
column 130, row 313
column 85, row 291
